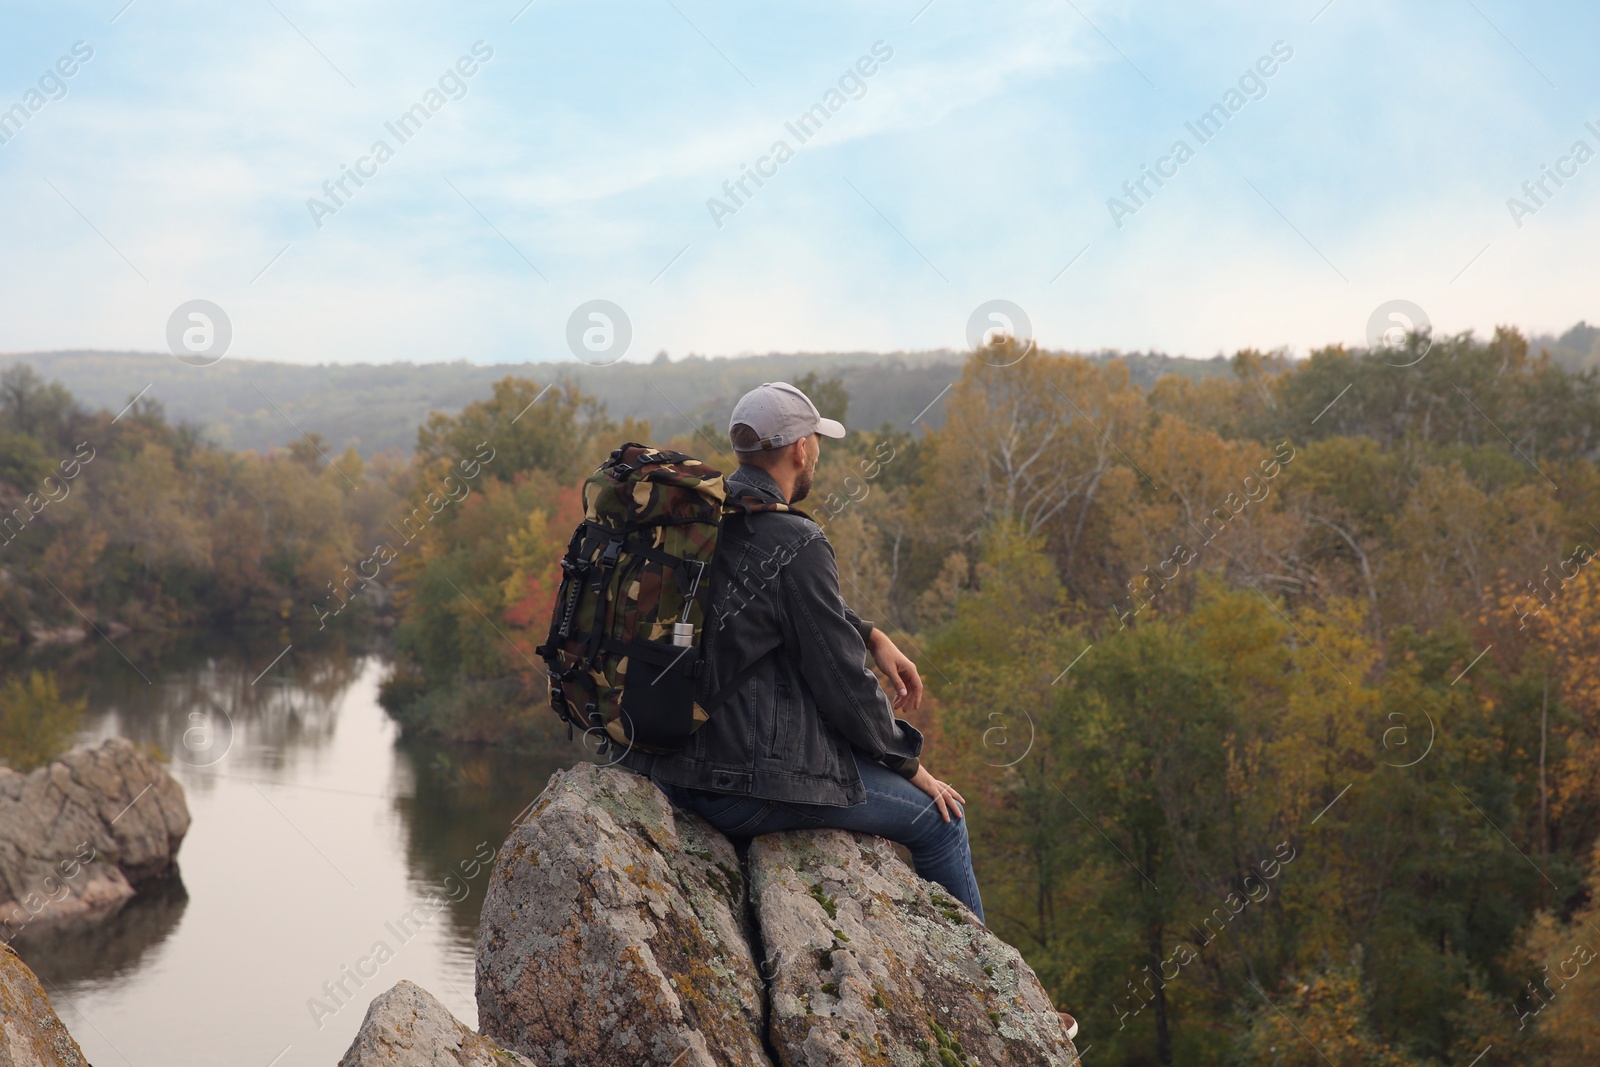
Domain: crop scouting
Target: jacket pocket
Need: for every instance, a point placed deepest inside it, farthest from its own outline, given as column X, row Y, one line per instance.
column 782, row 710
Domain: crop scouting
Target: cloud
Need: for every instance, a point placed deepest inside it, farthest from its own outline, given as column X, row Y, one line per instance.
column 986, row 147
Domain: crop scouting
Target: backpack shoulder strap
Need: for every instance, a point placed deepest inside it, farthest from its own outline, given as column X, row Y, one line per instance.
column 747, row 503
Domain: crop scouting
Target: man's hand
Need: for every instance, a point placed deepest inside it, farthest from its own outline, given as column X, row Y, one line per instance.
column 898, row 668
column 947, row 799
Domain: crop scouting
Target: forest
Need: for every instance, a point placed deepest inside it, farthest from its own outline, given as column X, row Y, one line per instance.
column 1274, row 693
column 127, row 523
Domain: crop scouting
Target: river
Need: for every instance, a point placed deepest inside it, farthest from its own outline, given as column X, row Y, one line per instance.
column 316, row 832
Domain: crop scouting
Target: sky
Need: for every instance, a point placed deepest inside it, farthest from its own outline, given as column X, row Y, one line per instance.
column 983, row 158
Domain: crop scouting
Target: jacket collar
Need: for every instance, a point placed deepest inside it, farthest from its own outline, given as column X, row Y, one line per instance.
column 749, row 476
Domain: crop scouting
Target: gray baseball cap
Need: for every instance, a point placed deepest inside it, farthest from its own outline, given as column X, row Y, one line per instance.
column 780, row 415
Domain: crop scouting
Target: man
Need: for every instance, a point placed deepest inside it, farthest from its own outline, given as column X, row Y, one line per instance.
column 807, row 738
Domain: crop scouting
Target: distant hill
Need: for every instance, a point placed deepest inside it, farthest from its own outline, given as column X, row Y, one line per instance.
column 1577, row 349
column 250, row 405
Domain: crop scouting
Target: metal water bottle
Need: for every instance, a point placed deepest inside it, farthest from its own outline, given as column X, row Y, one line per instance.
column 683, row 629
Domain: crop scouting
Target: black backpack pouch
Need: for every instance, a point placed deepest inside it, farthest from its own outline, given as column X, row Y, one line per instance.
column 658, row 705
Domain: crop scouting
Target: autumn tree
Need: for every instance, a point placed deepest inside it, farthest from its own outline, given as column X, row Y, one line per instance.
column 1028, row 441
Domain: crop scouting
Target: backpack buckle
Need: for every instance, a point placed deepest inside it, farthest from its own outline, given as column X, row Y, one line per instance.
column 613, row 550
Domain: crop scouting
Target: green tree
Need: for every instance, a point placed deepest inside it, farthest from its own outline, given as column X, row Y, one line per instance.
column 29, row 405
column 830, row 395
column 525, row 426
column 36, row 724
column 1150, row 715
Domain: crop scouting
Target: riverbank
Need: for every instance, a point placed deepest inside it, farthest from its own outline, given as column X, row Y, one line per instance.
column 313, row 824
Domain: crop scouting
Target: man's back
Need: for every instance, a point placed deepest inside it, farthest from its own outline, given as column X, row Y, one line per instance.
column 780, row 632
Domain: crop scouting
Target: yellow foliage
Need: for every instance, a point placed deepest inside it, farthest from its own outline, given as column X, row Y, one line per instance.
column 1028, row 442
column 1565, row 1005
column 1564, row 627
column 1317, row 1020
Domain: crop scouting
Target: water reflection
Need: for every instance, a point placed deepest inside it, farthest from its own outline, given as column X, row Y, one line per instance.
column 314, row 831
column 115, row 948
column 464, row 796
column 209, row 688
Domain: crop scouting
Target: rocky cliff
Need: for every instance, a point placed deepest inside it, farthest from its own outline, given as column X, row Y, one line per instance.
column 617, row 930
column 78, row 836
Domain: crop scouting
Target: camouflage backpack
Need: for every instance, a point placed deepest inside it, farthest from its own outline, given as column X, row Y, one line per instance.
column 624, row 653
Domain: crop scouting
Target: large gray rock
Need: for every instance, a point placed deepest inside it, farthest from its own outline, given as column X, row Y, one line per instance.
column 614, row 931
column 30, row 1033
column 78, row 836
column 406, row 1027
column 870, row 964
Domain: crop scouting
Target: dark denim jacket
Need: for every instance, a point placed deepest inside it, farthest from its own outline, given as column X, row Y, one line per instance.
column 792, row 730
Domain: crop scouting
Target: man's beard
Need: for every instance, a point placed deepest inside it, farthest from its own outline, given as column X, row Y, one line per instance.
column 802, row 484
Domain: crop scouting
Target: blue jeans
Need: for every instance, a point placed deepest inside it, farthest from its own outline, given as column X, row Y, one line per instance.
column 894, row 808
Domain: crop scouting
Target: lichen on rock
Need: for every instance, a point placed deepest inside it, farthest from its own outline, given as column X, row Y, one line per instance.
column 872, row 965
column 30, row 1033
column 614, row 931
column 407, row 1027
